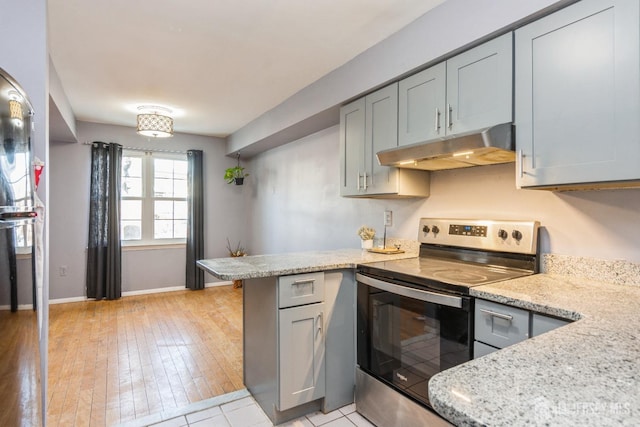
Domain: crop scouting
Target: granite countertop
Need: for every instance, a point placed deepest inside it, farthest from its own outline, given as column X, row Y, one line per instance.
column 252, row 267
column 586, row 373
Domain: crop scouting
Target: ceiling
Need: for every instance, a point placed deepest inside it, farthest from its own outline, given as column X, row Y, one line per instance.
column 218, row 64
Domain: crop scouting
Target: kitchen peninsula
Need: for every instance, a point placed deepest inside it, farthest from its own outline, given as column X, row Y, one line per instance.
column 299, row 326
column 583, row 373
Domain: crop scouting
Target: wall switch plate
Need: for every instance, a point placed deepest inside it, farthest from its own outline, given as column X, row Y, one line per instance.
column 388, row 218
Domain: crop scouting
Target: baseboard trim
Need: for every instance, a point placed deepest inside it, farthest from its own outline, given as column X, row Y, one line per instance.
column 128, row 294
column 20, row 307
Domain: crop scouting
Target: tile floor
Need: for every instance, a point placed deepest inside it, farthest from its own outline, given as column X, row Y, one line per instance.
column 239, row 409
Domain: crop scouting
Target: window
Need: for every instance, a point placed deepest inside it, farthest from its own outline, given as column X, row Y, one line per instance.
column 23, row 197
column 153, row 198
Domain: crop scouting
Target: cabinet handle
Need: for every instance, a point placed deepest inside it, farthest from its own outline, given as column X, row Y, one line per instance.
column 301, row 281
column 449, row 116
column 437, row 128
column 519, row 164
column 320, row 325
column 507, row 317
column 365, row 180
column 358, row 181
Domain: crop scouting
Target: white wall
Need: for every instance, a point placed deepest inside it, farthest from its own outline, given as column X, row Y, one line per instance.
column 141, row 269
column 296, row 206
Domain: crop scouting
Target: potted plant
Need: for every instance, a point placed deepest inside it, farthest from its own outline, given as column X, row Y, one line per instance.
column 366, row 234
column 235, row 174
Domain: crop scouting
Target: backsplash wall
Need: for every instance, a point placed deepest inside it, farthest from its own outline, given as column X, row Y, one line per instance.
column 294, row 204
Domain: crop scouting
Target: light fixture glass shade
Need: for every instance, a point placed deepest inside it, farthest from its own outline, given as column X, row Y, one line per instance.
column 15, row 109
column 155, row 125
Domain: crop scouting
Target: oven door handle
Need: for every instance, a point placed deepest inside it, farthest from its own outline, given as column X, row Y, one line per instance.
column 427, row 296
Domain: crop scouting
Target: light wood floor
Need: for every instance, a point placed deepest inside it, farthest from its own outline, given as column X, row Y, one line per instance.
column 19, row 369
column 113, row 361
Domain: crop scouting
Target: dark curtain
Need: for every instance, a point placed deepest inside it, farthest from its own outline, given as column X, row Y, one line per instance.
column 104, row 250
column 195, row 221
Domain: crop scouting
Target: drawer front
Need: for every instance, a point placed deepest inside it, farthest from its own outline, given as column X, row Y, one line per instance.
column 300, row 289
column 541, row 324
column 500, row 325
column 480, row 349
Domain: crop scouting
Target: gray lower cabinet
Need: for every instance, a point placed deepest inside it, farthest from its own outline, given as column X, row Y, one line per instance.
column 369, row 125
column 541, row 324
column 301, row 355
column 470, row 91
column 577, row 97
column 498, row 326
column 299, row 342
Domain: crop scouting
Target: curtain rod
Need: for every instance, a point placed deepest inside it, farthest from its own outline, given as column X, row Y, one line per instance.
column 153, row 150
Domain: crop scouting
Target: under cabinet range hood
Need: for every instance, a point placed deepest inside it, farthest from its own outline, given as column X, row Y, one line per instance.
column 486, row 146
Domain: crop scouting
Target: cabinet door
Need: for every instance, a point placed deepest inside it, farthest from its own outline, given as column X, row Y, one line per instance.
column 421, row 105
column 480, row 86
column 352, row 147
column 381, row 133
column 577, row 94
column 301, row 370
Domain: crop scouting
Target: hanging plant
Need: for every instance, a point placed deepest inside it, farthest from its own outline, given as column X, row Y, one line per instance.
column 235, row 174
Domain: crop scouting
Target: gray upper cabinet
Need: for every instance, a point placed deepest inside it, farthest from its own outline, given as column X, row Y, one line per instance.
column 421, row 108
column 470, row 91
column 381, row 133
column 369, row 125
column 480, row 86
column 351, row 147
column 578, row 95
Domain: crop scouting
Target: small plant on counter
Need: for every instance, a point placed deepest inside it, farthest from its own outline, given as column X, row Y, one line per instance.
column 366, row 233
column 237, row 252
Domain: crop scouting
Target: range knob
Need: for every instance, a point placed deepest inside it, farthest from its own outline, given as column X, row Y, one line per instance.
column 516, row 235
column 503, row 234
column 425, row 229
column 435, row 229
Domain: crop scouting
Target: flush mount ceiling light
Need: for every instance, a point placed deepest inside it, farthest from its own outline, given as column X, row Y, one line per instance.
column 154, row 121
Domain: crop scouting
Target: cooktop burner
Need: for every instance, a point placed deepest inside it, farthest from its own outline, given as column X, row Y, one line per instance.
column 459, row 276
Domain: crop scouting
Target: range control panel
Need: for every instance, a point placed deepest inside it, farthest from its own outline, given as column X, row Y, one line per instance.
column 468, row 230
column 504, row 236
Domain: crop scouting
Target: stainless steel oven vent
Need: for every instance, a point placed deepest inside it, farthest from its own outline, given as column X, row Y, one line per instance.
column 486, row 146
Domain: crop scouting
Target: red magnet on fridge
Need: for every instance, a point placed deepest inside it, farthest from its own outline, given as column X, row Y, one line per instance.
column 38, row 166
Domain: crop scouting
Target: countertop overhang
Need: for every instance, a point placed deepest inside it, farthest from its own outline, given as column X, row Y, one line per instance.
column 256, row 266
column 586, row 373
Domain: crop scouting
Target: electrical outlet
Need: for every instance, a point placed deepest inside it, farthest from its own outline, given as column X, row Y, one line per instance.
column 388, row 218
column 62, row 270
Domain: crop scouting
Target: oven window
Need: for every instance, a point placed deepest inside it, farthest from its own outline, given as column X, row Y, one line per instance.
column 407, row 341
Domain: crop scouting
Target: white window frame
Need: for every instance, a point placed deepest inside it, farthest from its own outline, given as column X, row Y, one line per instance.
column 148, row 199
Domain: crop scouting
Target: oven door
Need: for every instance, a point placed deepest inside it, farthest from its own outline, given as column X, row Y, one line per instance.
column 406, row 335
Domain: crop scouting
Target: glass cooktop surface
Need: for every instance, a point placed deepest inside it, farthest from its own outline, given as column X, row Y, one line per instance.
column 446, row 271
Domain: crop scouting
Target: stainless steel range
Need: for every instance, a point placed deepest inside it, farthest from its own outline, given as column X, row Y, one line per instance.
column 415, row 316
